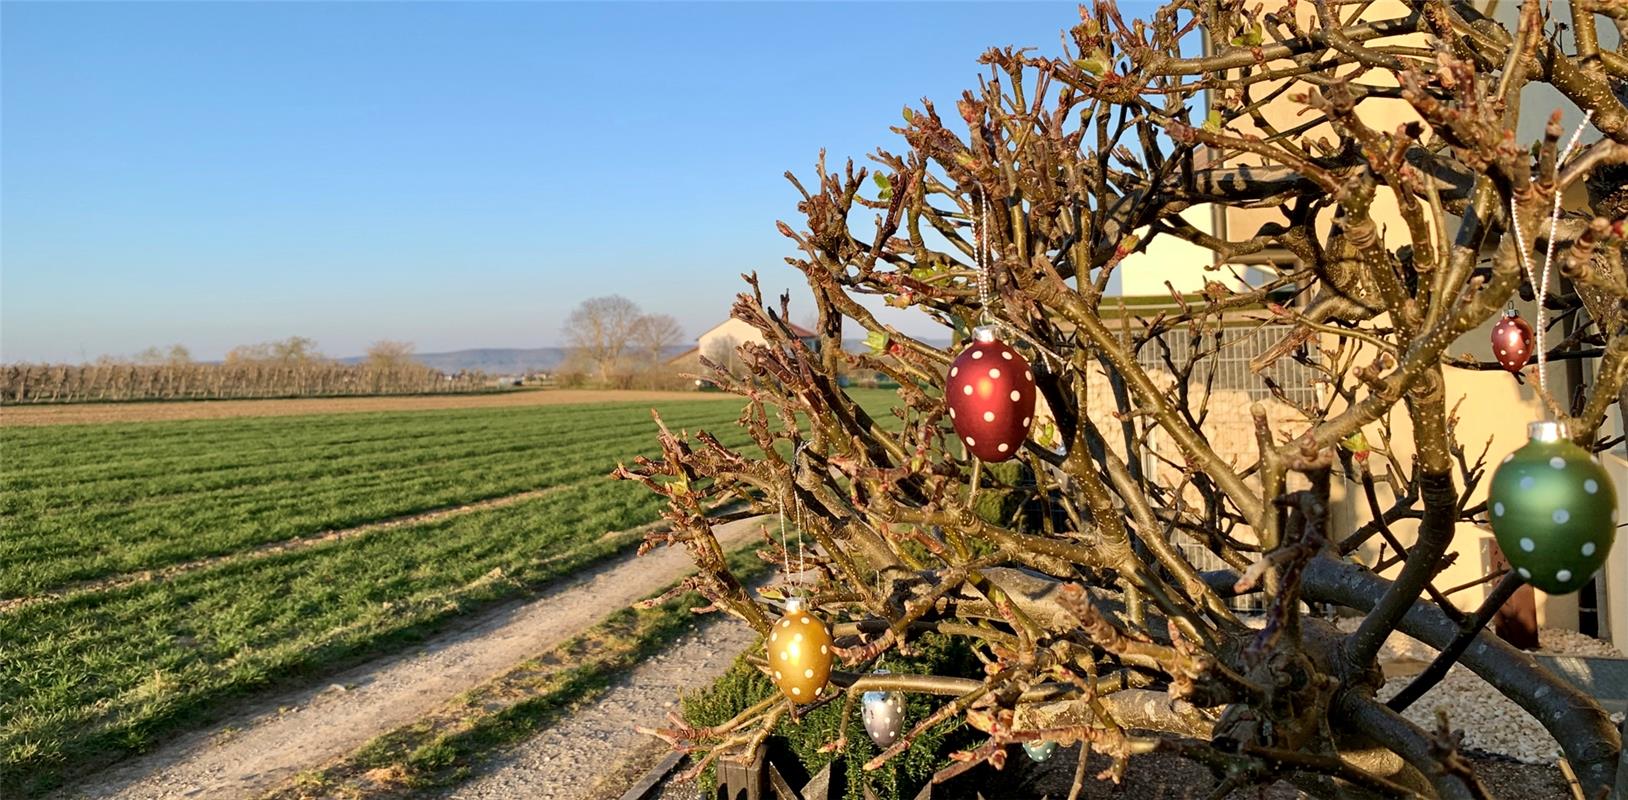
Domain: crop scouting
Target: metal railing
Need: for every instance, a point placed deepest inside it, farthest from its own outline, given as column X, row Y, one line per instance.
column 1225, row 357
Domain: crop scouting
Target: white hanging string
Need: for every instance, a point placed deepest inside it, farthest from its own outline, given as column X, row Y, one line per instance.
column 1540, row 286
column 785, row 547
column 797, row 509
column 984, row 257
column 981, row 256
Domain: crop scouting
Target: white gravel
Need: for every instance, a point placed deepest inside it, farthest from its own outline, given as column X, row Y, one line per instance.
column 564, row 762
column 1490, row 721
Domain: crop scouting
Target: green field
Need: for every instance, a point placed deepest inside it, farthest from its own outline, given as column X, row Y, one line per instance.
column 110, row 671
column 87, row 501
column 116, row 665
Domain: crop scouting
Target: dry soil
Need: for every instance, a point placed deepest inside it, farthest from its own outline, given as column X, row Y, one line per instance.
column 81, row 413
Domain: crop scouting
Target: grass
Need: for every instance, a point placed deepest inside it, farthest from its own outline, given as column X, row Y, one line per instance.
column 87, row 501
column 111, row 671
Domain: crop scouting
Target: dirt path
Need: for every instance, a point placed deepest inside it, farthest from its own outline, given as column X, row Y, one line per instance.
column 566, row 761
column 279, row 736
column 80, row 413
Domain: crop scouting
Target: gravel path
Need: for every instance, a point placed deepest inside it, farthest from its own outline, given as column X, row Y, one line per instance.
column 279, row 736
column 1490, row 721
column 565, row 761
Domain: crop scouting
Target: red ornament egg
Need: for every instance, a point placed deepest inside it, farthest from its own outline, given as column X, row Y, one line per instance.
column 991, row 394
column 1512, row 341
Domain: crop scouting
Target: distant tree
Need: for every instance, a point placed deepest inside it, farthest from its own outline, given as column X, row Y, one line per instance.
column 654, row 333
column 293, row 350
column 296, row 350
column 152, row 356
column 387, row 354
column 723, row 352
column 601, row 330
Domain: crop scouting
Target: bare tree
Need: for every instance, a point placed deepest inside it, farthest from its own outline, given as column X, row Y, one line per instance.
column 174, row 355
column 293, row 350
column 389, row 354
column 1090, row 623
column 601, row 330
column 654, row 333
column 721, row 352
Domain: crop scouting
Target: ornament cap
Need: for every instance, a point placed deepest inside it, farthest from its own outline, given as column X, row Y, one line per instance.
column 983, row 333
column 794, row 605
column 1509, row 311
column 1547, row 430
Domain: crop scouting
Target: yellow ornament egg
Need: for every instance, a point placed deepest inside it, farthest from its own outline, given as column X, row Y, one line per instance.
column 799, row 652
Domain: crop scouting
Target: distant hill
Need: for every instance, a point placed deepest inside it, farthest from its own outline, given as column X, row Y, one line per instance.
column 521, row 360
column 499, row 360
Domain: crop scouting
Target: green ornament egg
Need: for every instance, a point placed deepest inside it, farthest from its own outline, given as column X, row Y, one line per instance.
column 1554, row 511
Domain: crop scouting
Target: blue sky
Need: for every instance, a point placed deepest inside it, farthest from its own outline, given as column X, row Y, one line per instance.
column 457, row 175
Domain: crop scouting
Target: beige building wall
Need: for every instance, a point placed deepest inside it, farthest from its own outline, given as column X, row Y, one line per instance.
column 1492, row 408
column 1185, row 265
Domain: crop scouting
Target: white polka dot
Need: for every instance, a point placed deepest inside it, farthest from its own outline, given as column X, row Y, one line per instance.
column 1015, row 395
column 1591, row 486
column 777, row 674
column 1528, row 482
column 1528, row 545
column 785, row 623
column 1001, row 447
column 797, row 637
column 796, row 690
column 1557, row 462
column 966, row 389
column 805, row 620
column 1563, row 575
column 970, row 441
column 808, row 673
column 1503, row 352
column 989, row 416
column 783, row 656
column 823, row 650
column 1588, row 548
column 994, row 373
column 1497, row 509
column 1524, row 573
column 1006, row 354
column 977, row 354
column 1025, row 422
column 1509, row 458
column 954, row 371
column 774, row 636
column 1560, row 516
column 952, row 413
column 1029, row 374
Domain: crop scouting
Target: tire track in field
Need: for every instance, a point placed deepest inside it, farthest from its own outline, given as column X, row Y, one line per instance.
column 267, row 549
column 277, row 737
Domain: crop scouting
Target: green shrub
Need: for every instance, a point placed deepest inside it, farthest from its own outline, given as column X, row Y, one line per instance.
column 902, row 776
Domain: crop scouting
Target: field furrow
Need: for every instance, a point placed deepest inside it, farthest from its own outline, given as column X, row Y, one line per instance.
column 186, row 565
column 106, row 672
column 69, row 531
